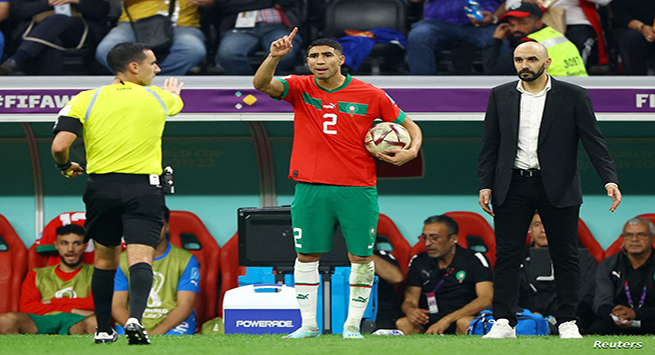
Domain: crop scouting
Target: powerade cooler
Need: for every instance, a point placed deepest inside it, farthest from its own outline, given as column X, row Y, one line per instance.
column 261, row 309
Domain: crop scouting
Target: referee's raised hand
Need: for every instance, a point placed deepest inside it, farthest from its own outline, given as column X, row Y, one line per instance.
column 172, row 86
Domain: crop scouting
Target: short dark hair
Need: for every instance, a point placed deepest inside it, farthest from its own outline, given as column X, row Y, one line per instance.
column 453, row 228
column 125, row 53
column 71, row 229
column 326, row 42
column 167, row 214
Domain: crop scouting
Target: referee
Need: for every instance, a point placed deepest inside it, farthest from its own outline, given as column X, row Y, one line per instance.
column 123, row 125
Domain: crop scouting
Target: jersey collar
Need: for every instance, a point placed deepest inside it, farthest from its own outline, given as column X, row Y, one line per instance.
column 345, row 83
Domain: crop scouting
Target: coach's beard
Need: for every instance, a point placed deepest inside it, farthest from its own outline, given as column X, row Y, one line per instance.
column 534, row 76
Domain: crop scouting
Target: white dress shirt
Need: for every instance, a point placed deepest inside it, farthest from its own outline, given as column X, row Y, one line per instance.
column 532, row 109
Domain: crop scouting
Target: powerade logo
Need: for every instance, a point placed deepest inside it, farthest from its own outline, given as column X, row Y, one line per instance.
column 261, row 321
column 265, row 323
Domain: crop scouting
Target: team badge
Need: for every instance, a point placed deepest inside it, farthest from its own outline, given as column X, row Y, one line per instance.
column 352, row 109
column 461, row 276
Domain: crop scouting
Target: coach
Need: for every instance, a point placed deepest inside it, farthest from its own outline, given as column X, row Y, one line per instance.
column 123, row 125
column 529, row 159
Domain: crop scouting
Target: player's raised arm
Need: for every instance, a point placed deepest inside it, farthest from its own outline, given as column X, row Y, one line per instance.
column 263, row 80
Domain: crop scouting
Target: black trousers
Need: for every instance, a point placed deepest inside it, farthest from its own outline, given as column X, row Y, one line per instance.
column 584, row 38
column 605, row 326
column 58, row 29
column 635, row 51
column 512, row 220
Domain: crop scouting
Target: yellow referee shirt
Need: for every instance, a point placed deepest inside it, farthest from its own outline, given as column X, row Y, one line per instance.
column 123, row 125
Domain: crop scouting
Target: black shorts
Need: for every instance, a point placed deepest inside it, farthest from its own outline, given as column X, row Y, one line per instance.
column 437, row 317
column 123, row 205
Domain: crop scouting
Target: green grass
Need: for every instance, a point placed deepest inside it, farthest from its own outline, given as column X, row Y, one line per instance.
column 326, row 344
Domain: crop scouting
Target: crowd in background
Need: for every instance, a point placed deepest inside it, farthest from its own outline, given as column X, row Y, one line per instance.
column 60, row 37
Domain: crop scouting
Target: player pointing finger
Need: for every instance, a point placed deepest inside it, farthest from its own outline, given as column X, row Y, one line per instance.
column 282, row 46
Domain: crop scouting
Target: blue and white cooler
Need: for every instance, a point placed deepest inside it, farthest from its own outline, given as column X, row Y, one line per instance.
column 261, row 309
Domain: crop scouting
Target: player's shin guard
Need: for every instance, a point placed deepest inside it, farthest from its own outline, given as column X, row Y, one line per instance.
column 361, row 281
column 306, row 283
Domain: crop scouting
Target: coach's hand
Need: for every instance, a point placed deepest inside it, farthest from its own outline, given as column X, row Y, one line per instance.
column 438, row 327
column 484, row 199
column 615, row 194
column 418, row 316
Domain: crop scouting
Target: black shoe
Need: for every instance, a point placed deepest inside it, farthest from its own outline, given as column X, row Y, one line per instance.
column 136, row 333
column 8, row 67
column 104, row 337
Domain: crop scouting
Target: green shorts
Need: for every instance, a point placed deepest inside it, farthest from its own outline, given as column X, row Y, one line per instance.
column 58, row 323
column 317, row 209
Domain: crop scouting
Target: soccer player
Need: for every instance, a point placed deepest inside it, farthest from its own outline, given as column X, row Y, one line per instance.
column 56, row 299
column 336, row 175
column 123, row 125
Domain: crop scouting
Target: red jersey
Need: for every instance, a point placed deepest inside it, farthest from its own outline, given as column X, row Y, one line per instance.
column 329, row 129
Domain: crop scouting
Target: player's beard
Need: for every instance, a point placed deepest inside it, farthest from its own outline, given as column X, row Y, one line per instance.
column 534, row 76
column 74, row 264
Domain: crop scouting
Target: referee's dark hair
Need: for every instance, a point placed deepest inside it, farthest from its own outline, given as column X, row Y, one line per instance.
column 453, row 228
column 125, row 53
column 71, row 229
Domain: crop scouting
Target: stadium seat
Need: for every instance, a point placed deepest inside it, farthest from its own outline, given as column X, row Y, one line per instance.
column 366, row 15
column 230, row 269
column 470, row 224
column 188, row 232
column 13, row 263
column 43, row 253
column 617, row 246
column 401, row 247
column 586, row 239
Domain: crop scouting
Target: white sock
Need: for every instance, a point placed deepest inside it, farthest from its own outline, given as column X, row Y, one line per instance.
column 306, row 280
column 361, row 281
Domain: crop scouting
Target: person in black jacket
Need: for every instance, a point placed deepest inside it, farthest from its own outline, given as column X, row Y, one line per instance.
column 249, row 25
column 529, row 159
column 625, row 289
column 48, row 28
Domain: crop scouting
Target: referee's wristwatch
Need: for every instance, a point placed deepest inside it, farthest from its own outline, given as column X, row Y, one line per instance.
column 65, row 166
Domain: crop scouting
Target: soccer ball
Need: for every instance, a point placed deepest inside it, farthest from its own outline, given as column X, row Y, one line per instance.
column 386, row 135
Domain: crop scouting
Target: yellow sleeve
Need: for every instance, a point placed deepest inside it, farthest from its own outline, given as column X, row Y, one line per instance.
column 174, row 104
column 77, row 106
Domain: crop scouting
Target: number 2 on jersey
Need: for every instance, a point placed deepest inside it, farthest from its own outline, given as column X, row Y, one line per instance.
column 332, row 122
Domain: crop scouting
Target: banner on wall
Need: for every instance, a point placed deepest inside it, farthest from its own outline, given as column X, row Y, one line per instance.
column 14, row 103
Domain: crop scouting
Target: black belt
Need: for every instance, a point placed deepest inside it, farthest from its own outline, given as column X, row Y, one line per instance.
column 527, row 173
column 121, row 178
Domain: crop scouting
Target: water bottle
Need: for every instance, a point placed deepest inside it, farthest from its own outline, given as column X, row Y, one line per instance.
column 388, row 332
column 474, row 10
